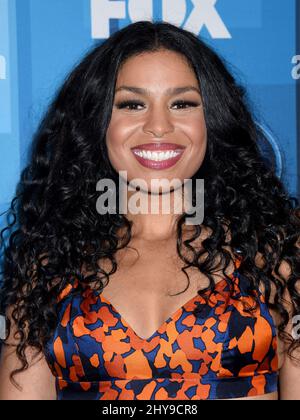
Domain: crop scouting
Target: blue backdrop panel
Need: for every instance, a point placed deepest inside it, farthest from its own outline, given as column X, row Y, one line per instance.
column 41, row 40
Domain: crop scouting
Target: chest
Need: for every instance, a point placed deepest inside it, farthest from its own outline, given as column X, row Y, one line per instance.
column 150, row 286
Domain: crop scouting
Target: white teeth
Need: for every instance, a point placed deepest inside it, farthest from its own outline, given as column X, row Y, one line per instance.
column 156, row 156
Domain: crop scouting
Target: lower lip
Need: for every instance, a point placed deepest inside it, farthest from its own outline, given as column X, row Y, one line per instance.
column 164, row 164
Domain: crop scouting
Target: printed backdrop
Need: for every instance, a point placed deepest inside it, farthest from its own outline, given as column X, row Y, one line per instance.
column 41, row 40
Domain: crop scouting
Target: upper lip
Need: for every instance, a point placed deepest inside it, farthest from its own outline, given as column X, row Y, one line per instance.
column 158, row 146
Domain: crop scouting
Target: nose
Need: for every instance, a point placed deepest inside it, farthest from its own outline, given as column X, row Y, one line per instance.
column 158, row 122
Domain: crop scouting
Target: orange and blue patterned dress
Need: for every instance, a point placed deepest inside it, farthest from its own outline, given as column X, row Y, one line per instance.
column 223, row 352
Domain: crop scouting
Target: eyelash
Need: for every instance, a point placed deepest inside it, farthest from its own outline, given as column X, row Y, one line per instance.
column 124, row 104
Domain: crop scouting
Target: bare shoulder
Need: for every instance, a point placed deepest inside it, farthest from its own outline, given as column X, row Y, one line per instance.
column 36, row 382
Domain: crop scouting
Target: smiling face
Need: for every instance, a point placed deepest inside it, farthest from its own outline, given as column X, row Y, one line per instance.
column 157, row 128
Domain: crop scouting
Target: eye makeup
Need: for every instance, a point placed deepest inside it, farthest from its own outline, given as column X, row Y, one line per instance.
column 132, row 103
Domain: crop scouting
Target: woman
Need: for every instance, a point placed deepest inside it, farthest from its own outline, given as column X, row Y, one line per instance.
column 144, row 305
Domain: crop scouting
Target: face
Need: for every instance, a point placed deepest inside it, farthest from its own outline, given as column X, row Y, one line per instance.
column 157, row 129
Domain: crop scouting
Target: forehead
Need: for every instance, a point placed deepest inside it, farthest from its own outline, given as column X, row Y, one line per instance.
column 159, row 67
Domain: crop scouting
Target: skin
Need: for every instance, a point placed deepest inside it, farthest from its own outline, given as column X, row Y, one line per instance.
column 154, row 235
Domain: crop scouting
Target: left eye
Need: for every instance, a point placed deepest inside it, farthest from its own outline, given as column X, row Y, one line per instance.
column 188, row 103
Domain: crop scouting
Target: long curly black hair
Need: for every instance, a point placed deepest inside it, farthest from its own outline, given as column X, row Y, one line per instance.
column 53, row 226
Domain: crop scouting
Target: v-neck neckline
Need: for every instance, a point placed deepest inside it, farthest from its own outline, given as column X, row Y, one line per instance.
column 162, row 328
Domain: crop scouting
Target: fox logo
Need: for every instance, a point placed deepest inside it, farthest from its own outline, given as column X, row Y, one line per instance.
column 204, row 13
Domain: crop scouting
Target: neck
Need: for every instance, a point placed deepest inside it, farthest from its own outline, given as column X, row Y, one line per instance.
column 158, row 215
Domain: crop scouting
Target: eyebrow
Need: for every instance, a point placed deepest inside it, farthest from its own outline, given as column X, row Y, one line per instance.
column 170, row 91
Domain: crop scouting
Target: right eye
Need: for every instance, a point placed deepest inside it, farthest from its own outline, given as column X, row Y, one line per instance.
column 130, row 104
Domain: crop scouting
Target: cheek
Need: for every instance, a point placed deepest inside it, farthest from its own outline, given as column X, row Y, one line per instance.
column 119, row 130
column 117, row 135
column 195, row 129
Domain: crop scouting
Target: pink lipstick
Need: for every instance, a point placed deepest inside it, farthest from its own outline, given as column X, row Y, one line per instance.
column 158, row 155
